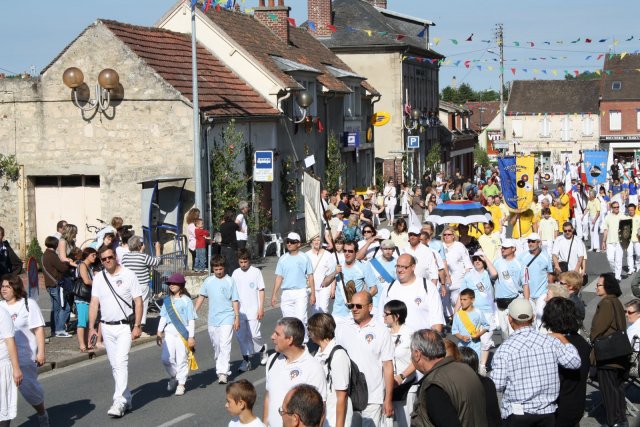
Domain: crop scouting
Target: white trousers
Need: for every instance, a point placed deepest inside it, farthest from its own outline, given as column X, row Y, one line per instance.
column 582, row 224
column 487, row 338
column 503, row 321
column 371, row 416
column 221, row 341
column 390, row 210
column 402, row 410
column 117, row 342
column 636, row 253
column 547, row 245
column 174, row 355
column 614, row 256
column 594, row 233
column 294, row 303
column 145, row 308
column 538, row 309
column 323, row 295
column 249, row 336
column 30, row 388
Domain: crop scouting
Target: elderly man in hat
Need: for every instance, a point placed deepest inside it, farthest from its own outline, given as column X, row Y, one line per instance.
column 243, row 231
column 538, row 271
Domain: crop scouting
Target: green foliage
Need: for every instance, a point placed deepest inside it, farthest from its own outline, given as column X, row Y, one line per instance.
column 34, row 250
column 290, row 182
column 228, row 185
column 433, row 157
column 585, row 75
column 480, row 156
column 264, row 218
column 335, row 168
column 466, row 93
column 9, row 170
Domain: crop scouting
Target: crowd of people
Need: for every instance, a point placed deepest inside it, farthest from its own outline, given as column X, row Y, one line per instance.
column 387, row 317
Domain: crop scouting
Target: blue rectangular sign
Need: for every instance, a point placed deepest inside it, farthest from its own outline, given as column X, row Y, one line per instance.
column 263, row 166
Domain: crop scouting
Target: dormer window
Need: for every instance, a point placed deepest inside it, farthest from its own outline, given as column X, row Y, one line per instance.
column 617, row 85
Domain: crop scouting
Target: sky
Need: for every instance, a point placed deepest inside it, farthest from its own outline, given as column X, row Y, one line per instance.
column 33, row 33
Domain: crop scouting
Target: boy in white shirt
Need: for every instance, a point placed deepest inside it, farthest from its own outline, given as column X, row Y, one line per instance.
column 250, row 286
column 548, row 230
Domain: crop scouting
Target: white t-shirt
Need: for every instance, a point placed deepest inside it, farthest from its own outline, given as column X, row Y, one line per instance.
column 323, row 264
column 424, row 308
column 120, row 251
column 368, row 347
column 284, row 375
column 632, row 331
column 561, row 250
column 249, row 284
column 401, row 341
column 6, row 331
column 612, row 224
column 125, row 284
column 242, row 233
column 426, row 265
column 24, row 321
column 235, row 422
column 458, row 262
column 338, row 380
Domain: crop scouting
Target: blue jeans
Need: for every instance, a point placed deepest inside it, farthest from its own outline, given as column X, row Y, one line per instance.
column 201, row 259
column 58, row 313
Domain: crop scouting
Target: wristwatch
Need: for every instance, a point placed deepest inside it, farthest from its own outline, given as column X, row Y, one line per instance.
column 401, row 375
column 137, row 326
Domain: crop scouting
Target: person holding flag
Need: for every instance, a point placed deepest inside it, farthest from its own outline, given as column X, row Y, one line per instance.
column 176, row 334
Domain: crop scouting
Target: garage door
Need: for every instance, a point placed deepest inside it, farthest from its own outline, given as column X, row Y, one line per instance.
column 74, row 198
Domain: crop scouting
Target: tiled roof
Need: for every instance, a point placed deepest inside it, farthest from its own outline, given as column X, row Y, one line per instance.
column 351, row 17
column 625, row 71
column 303, row 48
column 490, row 110
column 220, row 91
column 554, row 96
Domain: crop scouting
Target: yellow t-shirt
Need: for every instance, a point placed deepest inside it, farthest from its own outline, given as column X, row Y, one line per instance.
column 612, row 224
column 496, row 216
column 490, row 244
column 565, row 210
column 476, row 230
column 593, row 206
column 547, row 229
column 634, row 229
column 524, row 224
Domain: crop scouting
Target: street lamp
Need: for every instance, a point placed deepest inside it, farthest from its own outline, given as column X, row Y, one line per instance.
column 304, row 100
column 413, row 120
column 108, row 81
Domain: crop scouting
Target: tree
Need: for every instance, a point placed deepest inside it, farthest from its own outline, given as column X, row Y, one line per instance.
column 9, row 170
column 228, row 184
column 433, row 157
column 335, row 166
column 466, row 93
column 480, row 156
column 585, row 75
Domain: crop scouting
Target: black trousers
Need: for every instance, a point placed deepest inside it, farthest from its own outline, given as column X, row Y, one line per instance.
column 530, row 420
column 611, row 382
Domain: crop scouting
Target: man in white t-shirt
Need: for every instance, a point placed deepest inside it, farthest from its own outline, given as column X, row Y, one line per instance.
column 250, row 286
column 567, row 248
column 369, row 346
column 243, row 233
column 323, row 262
column 632, row 310
column 426, row 263
column 291, row 365
column 116, row 292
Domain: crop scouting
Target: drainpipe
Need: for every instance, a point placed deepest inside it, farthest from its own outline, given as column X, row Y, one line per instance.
column 373, row 180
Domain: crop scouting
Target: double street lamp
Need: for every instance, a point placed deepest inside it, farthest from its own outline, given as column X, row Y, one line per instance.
column 108, row 82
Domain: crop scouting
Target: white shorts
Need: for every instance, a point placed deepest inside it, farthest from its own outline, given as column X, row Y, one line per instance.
column 8, row 392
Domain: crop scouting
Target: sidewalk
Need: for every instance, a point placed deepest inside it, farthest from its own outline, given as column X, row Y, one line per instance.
column 61, row 352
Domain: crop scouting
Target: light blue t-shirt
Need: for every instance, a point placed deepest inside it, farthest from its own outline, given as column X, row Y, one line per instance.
column 538, row 279
column 510, row 274
column 294, row 270
column 363, row 278
column 480, row 283
column 437, row 246
column 184, row 308
column 478, row 320
column 379, row 282
column 221, row 294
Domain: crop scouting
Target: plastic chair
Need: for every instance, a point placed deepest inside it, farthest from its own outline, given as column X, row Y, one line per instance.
column 272, row 239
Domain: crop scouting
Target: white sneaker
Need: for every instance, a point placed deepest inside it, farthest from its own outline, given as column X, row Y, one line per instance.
column 222, row 379
column 265, row 355
column 179, row 390
column 172, row 384
column 116, row 410
column 245, row 366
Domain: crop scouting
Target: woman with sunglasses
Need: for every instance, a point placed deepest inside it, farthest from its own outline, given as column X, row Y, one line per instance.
column 479, row 281
column 458, row 263
column 404, row 373
column 370, row 243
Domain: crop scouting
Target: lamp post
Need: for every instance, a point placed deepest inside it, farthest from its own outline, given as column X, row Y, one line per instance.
column 410, row 123
column 304, row 100
column 108, row 81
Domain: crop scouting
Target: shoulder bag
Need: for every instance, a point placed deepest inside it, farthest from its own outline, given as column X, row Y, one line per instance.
column 81, row 290
column 131, row 319
column 564, row 265
column 612, row 346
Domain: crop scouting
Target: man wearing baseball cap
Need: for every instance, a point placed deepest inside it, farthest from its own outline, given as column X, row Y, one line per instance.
column 538, row 270
column 508, row 286
column 525, row 369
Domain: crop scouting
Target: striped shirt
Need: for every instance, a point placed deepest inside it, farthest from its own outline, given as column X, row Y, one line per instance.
column 141, row 265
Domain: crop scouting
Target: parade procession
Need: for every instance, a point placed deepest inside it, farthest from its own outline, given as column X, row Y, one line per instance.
column 321, row 213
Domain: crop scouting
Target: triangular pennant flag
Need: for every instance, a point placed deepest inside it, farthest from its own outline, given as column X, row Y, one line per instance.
column 292, row 22
column 602, row 40
column 544, row 71
column 532, row 44
column 637, row 69
column 229, row 4
column 588, row 57
column 436, row 40
column 623, row 54
column 479, row 67
column 598, row 72
column 615, row 42
column 559, row 42
column 368, row 32
column 248, row 10
column 485, row 41
column 576, row 40
column 587, row 40
column 312, row 26
column 611, row 55
column 554, row 72
column 193, row 2
column 467, row 63
column 513, row 70
column 400, row 36
column 535, row 71
column 599, row 57
column 382, row 33
column 608, row 72
column 332, row 28
column 218, row 9
column 457, row 63
column 576, row 72
column 516, row 43
column 470, row 38
column 489, row 67
column 422, row 33
column 454, row 41
column 629, row 39
column 206, row 5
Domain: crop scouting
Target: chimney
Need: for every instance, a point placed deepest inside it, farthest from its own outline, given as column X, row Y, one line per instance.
column 320, row 12
column 379, row 3
column 274, row 17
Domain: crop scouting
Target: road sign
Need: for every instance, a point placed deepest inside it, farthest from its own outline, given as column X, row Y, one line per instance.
column 263, row 166
column 413, row 141
column 501, row 145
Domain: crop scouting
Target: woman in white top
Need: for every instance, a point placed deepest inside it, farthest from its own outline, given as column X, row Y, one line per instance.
column 28, row 325
column 404, row 373
column 405, row 197
column 458, row 262
column 399, row 233
column 339, row 412
column 10, row 373
column 192, row 215
column 604, row 206
column 390, row 200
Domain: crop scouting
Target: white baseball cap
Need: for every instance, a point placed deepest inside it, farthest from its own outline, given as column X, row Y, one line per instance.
column 293, row 236
column 521, row 309
column 533, row 236
column 414, row 229
column 508, row 243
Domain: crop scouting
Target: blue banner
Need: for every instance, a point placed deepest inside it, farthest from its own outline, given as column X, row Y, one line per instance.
column 508, row 180
column 595, row 166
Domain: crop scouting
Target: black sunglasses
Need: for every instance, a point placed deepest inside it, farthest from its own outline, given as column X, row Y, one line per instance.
column 293, row 242
column 358, row 306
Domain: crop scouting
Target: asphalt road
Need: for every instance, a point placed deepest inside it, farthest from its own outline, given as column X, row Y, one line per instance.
column 79, row 395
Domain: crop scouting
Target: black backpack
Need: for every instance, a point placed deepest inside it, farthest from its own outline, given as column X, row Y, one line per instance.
column 358, row 390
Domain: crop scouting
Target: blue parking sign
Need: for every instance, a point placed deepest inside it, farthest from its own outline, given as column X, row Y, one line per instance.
column 413, row 141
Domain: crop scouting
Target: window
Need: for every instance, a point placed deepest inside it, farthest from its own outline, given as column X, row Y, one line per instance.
column 565, row 134
column 615, row 120
column 587, row 126
column 517, row 128
column 353, row 103
column 616, row 85
column 545, row 127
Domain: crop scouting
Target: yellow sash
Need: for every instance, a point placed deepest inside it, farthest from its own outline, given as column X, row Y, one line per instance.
column 191, row 358
column 466, row 321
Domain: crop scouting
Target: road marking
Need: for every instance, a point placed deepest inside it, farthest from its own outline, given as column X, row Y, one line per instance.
column 176, row 420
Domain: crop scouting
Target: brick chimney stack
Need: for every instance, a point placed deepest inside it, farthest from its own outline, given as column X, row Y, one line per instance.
column 320, row 12
column 266, row 14
column 379, row 3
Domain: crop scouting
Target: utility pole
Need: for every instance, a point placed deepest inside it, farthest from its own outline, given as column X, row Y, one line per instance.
column 500, row 41
column 197, row 165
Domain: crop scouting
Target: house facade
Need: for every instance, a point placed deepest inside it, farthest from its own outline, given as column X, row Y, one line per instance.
column 456, row 134
column 553, row 119
column 620, row 107
column 391, row 50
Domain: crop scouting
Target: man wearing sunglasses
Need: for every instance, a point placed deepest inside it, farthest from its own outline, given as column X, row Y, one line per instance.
column 294, row 273
column 538, row 271
column 568, row 252
column 632, row 311
column 117, row 293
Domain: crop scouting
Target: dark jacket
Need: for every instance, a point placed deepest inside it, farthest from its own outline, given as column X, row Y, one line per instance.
column 573, row 386
column 10, row 263
column 53, row 268
column 609, row 318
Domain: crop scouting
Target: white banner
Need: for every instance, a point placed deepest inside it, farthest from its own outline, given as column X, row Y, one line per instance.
column 312, row 207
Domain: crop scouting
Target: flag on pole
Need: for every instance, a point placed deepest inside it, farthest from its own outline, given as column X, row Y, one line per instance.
column 517, row 181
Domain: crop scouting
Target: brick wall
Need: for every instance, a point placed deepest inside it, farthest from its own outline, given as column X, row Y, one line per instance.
column 392, row 168
column 320, row 13
column 629, row 117
column 278, row 26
